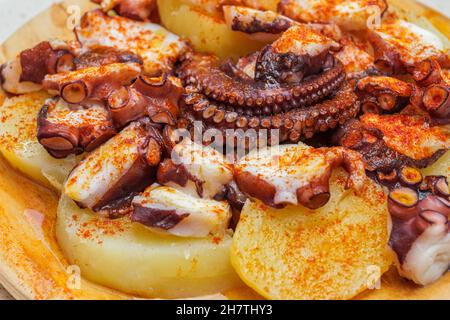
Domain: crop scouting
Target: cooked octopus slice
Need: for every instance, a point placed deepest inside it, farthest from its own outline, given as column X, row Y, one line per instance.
column 399, row 44
column 357, row 62
column 123, row 165
column 255, row 21
column 420, row 235
column 101, row 56
column 268, row 25
column 390, row 142
column 171, row 211
column 195, row 169
column 379, row 94
column 155, row 97
column 10, row 79
column 26, row 73
column 296, row 174
column 94, row 83
column 157, row 47
column 298, row 53
column 348, row 14
column 411, row 136
column 133, row 9
column 65, row 129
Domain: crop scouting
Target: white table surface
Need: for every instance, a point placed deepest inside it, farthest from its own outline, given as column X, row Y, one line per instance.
column 14, row 13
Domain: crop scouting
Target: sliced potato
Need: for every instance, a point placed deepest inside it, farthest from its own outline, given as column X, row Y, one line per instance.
column 440, row 167
column 329, row 253
column 129, row 257
column 19, row 145
column 205, row 31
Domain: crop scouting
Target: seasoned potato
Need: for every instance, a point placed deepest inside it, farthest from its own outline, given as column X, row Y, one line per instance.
column 206, row 32
column 329, row 253
column 440, row 167
column 19, row 144
column 129, row 257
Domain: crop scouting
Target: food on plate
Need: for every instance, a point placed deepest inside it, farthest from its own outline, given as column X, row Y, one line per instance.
column 325, row 253
column 20, row 146
column 295, row 147
column 127, row 256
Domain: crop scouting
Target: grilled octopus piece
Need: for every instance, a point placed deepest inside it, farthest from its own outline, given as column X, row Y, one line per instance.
column 128, row 161
column 94, row 83
column 27, row 73
column 295, row 86
column 392, row 141
column 296, row 174
column 155, row 97
column 65, row 129
column 420, row 237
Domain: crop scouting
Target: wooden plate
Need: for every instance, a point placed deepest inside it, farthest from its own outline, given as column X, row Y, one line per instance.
column 31, row 263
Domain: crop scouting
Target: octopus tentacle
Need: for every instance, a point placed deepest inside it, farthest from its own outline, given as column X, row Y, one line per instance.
column 420, row 228
column 383, row 94
column 203, row 72
column 65, row 129
column 94, row 83
column 293, row 122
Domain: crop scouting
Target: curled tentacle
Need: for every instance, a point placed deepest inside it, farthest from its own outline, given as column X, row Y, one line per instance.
column 383, row 94
column 94, row 83
column 66, row 129
column 101, row 56
column 385, row 141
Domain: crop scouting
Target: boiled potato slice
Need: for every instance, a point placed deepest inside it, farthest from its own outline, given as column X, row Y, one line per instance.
column 440, row 167
column 329, row 253
column 205, row 31
column 19, row 144
column 129, row 257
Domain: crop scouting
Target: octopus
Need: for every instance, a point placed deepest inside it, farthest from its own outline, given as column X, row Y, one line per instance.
column 93, row 83
column 91, row 108
column 158, row 48
column 388, row 142
column 141, row 10
column 380, row 94
column 170, row 211
column 351, row 15
column 65, row 129
column 399, row 45
column 296, row 174
column 268, row 25
column 128, row 163
column 420, row 236
column 294, row 85
column 26, row 73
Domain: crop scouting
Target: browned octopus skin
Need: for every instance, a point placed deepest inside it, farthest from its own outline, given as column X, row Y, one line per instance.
column 383, row 94
column 277, row 26
column 414, row 207
column 377, row 155
column 102, row 56
column 155, row 97
column 433, row 91
column 41, row 60
column 224, row 100
column 117, row 201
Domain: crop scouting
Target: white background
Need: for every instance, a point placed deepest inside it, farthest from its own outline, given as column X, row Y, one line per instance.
column 14, row 13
